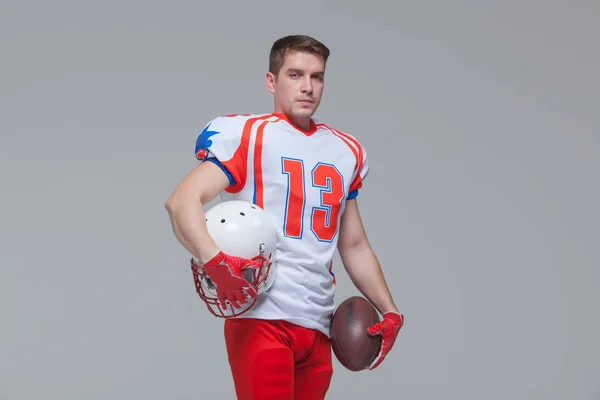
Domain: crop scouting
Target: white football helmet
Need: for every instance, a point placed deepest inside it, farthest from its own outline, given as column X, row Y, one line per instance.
column 239, row 228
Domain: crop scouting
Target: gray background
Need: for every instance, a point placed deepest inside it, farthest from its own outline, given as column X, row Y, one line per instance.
column 486, row 220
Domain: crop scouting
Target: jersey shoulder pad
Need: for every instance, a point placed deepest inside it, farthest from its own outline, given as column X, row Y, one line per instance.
column 351, row 141
column 360, row 155
column 221, row 137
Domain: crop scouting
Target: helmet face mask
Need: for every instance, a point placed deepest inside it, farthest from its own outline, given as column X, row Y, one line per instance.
column 241, row 229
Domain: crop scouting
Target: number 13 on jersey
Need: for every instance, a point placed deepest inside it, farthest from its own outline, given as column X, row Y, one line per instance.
column 324, row 218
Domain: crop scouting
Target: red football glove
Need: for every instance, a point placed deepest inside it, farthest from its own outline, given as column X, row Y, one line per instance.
column 226, row 273
column 388, row 328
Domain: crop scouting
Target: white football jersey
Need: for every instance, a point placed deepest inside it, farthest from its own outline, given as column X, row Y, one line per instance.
column 303, row 178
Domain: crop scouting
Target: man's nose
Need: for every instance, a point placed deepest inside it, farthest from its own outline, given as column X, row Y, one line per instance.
column 306, row 85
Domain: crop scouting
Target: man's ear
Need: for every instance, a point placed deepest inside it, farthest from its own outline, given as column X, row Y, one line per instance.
column 270, row 81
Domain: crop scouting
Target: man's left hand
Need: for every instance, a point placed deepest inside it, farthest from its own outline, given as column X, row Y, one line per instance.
column 388, row 328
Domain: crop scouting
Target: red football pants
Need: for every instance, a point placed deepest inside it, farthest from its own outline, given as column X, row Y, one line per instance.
column 277, row 360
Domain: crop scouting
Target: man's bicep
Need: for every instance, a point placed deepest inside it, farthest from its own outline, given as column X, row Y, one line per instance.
column 213, row 180
column 205, row 182
column 352, row 230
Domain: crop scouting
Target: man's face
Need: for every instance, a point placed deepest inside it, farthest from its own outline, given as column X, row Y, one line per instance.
column 298, row 86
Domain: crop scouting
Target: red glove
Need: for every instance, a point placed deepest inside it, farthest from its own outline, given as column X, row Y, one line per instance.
column 388, row 328
column 226, row 273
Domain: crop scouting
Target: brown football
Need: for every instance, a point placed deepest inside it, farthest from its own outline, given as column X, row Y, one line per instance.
column 352, row 345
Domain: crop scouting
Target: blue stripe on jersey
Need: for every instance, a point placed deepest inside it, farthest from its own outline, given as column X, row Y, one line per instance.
column 352, row 194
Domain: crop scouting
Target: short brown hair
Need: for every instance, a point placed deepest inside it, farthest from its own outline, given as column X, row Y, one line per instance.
column 294, row 43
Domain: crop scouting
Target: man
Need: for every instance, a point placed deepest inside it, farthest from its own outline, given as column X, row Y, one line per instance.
column 307, row 175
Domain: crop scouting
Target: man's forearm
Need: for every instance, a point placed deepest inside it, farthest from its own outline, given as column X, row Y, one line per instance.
column 189, row 226
column 365, row 272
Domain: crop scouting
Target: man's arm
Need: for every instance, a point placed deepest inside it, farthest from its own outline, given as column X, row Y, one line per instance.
column 360, row 261
column 200, row 186
column 363, row 267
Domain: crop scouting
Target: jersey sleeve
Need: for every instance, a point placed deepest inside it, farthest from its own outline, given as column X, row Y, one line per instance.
column 222, row 143
column 360, row 175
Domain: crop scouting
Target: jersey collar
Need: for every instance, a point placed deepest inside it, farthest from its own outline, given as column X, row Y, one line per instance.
column 312, row 128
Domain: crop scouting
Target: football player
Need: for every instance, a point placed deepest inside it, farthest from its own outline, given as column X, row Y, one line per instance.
column 307, row 175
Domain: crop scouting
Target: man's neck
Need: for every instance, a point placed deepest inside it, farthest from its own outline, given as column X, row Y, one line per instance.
column 302, row 123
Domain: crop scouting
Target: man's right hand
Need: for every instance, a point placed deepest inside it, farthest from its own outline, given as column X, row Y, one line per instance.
column 225, row 272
